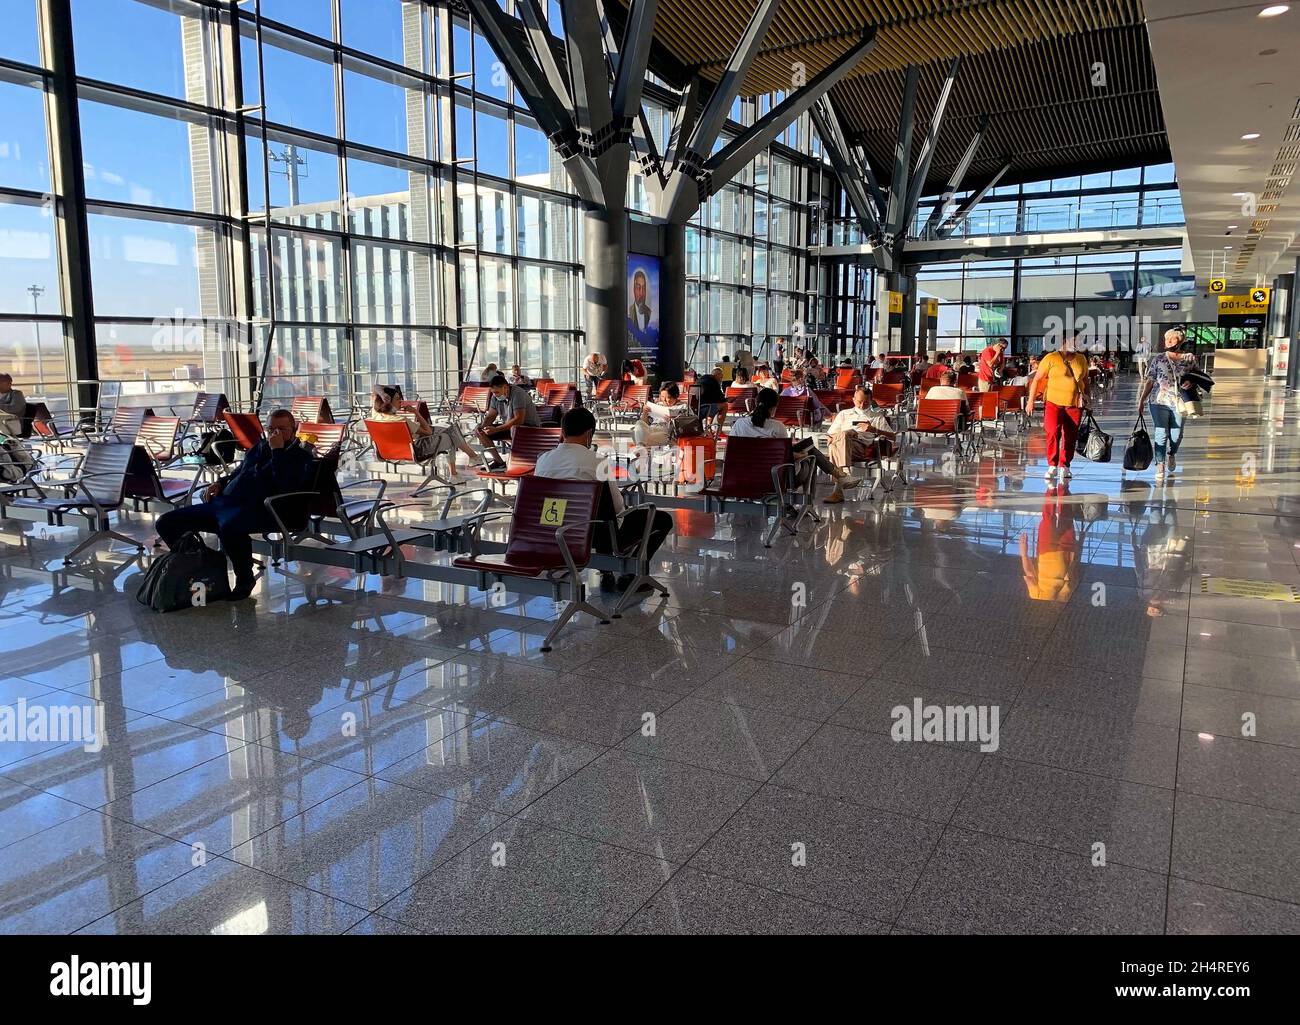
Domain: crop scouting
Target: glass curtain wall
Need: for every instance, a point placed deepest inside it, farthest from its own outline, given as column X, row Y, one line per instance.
column 411, row 222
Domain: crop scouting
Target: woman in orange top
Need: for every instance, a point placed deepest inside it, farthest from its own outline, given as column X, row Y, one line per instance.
column 1063, row 377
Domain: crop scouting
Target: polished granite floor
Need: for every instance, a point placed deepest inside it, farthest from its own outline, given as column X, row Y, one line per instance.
column 391, row 756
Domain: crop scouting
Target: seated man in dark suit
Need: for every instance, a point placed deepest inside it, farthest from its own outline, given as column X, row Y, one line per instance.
column 233, row 508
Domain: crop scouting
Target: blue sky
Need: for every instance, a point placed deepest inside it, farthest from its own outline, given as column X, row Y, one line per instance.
column 145, row 268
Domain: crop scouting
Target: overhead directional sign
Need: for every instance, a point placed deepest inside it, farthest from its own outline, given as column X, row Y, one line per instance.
column 1255, row 302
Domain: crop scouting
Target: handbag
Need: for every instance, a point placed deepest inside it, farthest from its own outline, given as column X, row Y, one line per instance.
column 686, row 425
column 190, row 574
column 1097, row 447
column 1139, row 452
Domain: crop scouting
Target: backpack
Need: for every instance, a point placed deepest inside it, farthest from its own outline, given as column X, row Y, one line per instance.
column 190, row 575
column 215, row 444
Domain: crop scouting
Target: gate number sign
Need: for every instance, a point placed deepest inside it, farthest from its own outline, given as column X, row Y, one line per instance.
column 553, row 511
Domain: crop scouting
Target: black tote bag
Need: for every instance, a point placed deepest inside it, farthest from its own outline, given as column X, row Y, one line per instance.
column 1139, row 452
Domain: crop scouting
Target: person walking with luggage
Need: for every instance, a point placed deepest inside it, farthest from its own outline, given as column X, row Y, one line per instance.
column 1162, row 384
column 1063, row 378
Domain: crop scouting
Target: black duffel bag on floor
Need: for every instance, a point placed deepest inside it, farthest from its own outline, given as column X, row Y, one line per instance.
column 190, row 575
column 1139, row 452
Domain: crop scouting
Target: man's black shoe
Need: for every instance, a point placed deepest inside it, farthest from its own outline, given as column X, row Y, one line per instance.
column 242, row 590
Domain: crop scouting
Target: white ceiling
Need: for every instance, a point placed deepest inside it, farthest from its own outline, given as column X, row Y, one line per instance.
column 1216, row 85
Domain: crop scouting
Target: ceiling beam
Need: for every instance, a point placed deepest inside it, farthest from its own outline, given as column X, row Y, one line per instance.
column 929, row 146
column 553, row 116
column 896, row 214
column 728, row 161
column 953, row 187
column 959, row 218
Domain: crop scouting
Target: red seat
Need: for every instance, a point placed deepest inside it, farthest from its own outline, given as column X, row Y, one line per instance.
column 835, row 399
column 565, row 396
column 608, row 390
column 415, row 406
column 755, row 470
column 846, row 378
column 526, row 447
column 551, row 528
column 473, row 398
column 793, row 411
column 633, row 398
column 740, row 400
column 941, row 418
column 887, row 395
column 246, row 427
column 312, row 408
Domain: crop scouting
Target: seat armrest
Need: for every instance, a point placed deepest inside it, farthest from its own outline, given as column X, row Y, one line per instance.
column 564, row 547
column 269, row 503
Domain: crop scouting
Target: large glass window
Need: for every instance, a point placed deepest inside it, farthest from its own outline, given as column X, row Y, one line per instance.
column 29, row 268
column 113, row 37
column 24, row 152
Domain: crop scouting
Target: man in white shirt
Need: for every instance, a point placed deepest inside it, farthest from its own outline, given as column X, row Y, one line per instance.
column 575, row 459
column 593, row 369
column 855, row 431
column 946, row 389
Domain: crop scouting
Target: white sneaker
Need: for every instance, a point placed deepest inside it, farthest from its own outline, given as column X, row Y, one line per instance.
column 1050, row 474
column 1173, row 464
column 1064, row 473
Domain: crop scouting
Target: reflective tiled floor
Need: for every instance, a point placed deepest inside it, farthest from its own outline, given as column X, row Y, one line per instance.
column 400, row 757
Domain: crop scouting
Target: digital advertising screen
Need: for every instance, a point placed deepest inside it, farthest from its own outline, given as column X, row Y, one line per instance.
column 643, row 308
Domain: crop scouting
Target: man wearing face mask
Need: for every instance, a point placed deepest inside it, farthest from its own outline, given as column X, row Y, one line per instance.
column 234, row 509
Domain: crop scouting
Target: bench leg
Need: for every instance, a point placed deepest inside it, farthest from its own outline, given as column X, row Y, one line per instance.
column 98, row 536
column 574, row 606
column 631, row 597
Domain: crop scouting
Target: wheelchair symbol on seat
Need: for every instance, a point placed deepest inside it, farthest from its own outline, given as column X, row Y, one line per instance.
column 553, row 511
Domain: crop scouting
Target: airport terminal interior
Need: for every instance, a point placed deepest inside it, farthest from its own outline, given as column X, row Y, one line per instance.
column 710, row 466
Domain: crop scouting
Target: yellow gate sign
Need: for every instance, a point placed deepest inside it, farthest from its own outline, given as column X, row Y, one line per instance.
column 1218, row 286
column 553, row 512
column 895, row 302
column 1255, row 302
column 1265, row 590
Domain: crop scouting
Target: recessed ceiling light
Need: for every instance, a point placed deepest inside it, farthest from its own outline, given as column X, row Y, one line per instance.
column 1250, row 135
column 1233, row 227
column 1274, row 10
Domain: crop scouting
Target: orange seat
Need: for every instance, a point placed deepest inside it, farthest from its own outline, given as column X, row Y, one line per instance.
column 246, row 427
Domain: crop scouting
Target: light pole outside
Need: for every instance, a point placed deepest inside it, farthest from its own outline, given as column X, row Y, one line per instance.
column 37, row 291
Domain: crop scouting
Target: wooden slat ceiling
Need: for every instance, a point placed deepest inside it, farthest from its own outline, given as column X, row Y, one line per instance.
column 1027, row 63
